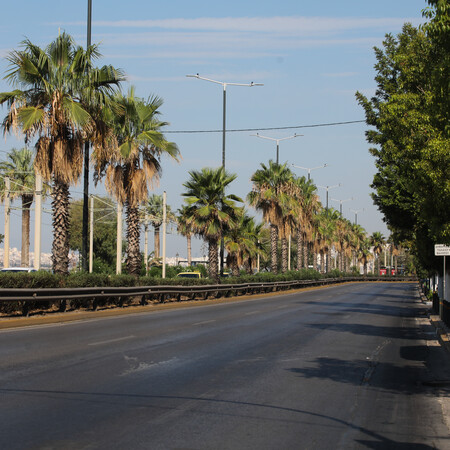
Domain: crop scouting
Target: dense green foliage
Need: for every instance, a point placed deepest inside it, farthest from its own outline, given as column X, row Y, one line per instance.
column 409, row 113
column 105, row 231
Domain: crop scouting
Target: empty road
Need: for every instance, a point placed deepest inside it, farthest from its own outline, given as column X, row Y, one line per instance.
column 353, row 366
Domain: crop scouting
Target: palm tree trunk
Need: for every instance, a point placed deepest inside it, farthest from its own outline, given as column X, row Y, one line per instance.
column 305, row 252
column 133, row 236
column 284, row 255
column 27, row 200
column 157, row 240
column 322, row 261
column 299, row 248
column 329, row 259
column 213, row 262
column 248, row 266
column 273, row 248
column 60, row 246
column 189, row 249
column 235, row 268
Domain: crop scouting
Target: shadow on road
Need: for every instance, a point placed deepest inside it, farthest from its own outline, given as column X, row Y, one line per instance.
column 378, row 441
column 369, row 330
column 368, row 308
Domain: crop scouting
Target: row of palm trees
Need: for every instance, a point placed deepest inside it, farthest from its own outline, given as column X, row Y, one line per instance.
column 290, row 207
column 62, row 102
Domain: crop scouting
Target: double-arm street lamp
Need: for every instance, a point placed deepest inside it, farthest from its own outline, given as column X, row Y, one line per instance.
column 342, row 201
column 224, row 84
column 277, row 141
column 356, row 211
column 309, row 169
column 327, row 188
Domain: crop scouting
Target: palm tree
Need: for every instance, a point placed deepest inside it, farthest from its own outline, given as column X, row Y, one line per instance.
column 154, row 207
column 19, row 168
column 212, row 212
column 364, row 254
column 52, row 87
column 185, row 229
column 357, row 237
column 377, row 240
column 242, row 242
column 132, row 161
column 271, row 187
column 311, row 207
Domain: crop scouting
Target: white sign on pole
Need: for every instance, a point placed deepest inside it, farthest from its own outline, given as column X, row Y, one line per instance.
column 441, row 250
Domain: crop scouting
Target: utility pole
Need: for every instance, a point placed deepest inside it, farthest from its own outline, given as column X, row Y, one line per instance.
column 7, row 221
column 37, row 221
column 119, row 239
column 164, row 234
column 84, row 231
column 146, row 242
column 91, row 237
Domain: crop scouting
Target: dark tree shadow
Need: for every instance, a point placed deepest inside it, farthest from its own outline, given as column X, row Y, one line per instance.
column 378, row 441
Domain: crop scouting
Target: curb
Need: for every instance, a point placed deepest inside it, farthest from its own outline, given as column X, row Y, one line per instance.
column 442, row 330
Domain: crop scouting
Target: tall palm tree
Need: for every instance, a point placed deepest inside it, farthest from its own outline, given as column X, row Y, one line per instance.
column 212, row 211
column 185, row 229
column 19, row 168
column 272, row 185
column 131, row 163
column 377, row 240
column 52, row 87
column 364, row 254
column 154, row 207
column 242, row 242
column 357, row 238
column 310, row 208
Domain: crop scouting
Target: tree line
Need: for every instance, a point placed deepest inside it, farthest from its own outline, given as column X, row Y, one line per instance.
column 60, row 101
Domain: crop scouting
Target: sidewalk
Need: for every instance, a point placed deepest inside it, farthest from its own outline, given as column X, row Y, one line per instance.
column 442, row 330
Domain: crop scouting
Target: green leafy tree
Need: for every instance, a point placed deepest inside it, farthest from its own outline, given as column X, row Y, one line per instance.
column 52, row 87
column 212, row 212
column 105, row 232
column 410, row 120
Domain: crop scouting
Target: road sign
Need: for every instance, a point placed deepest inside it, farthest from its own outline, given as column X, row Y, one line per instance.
column 441, row 250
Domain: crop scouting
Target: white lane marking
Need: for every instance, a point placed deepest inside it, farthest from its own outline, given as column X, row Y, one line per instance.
column 109, row 341
column 251, row 312
column 204, row 322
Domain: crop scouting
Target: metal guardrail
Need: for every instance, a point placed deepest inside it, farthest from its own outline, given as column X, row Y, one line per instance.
column 162, row 293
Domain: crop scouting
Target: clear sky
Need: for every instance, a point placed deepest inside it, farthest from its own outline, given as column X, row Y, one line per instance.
column 310, row 56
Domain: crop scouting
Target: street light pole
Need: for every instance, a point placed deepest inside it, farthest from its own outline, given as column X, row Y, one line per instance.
column 277, row 141
column 84, row 230
column 327, row 188
column 224, row 85
column 340, row 203
column 356, row 211
column 309, row 169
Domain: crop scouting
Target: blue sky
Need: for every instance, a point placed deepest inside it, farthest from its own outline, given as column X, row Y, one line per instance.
column 310, row 56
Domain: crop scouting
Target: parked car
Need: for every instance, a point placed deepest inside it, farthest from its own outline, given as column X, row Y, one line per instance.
column 189, row 275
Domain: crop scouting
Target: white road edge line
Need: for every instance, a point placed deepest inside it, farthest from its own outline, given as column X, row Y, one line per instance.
column 204, row 322
column 112, row 340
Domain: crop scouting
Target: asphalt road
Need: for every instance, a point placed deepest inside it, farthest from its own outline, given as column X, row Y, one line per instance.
column 347, row 367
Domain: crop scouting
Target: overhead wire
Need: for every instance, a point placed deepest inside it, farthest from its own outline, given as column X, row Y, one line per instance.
column 238, row 130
